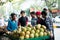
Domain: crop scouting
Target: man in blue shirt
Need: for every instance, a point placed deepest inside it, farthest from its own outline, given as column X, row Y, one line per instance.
column 12, row 23
column 34, row 19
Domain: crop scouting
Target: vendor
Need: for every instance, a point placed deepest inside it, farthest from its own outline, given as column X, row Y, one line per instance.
column 23, row 20
column 12, row 23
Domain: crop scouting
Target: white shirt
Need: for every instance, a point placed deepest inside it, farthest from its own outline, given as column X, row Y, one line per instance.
column 1, row 22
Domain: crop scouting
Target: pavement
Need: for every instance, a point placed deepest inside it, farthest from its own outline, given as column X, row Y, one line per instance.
column 57, row 33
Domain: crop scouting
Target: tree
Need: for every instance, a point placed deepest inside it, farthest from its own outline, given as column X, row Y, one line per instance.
column 51, row 3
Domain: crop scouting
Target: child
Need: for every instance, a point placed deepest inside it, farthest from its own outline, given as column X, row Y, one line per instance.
column 23, row 20
column 34, row 19
column 12, row 23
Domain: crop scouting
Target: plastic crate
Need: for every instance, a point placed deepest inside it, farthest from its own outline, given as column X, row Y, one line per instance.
column 37, row 38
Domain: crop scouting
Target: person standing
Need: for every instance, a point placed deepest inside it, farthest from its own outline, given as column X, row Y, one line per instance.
column 48, row 23
column 33, row 19
column 23, row 20
column 12, row 23
column 49, row 12
column 39, row 20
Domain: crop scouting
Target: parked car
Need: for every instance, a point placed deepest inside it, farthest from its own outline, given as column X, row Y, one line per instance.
column 57, row 21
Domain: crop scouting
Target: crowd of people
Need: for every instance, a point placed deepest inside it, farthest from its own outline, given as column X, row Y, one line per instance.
column 36, row 18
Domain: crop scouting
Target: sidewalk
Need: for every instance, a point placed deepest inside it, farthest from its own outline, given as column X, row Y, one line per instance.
column 57, row 33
